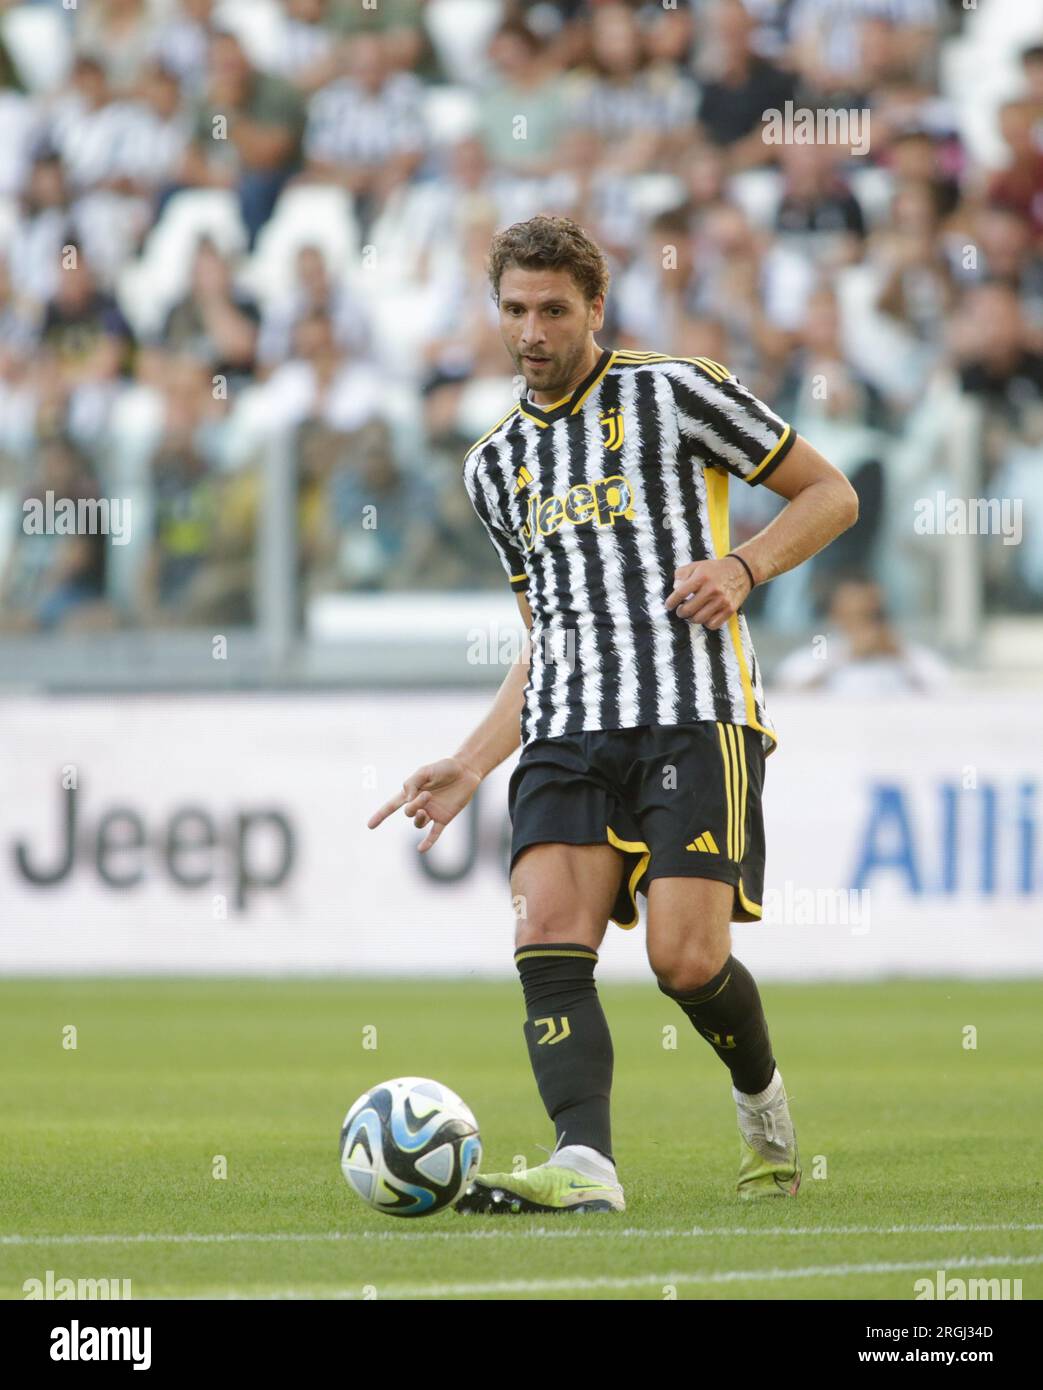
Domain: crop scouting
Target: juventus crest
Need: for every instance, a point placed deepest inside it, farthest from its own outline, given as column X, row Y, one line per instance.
column 611, row 421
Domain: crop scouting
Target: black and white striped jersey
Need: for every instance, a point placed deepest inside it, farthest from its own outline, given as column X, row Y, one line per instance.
column 348, row 125
column 592, row 503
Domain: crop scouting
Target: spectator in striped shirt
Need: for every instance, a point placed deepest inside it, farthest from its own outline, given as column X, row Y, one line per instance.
column 643, row 113
column 365, row 132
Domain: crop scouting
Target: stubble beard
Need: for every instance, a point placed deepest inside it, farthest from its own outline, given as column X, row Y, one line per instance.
column 559, row 385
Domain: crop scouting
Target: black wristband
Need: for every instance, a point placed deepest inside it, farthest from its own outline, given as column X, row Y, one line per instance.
column 732, row 556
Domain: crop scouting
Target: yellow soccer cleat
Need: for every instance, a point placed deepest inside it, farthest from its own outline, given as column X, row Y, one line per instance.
column 545, row 1188
column 769, row 1164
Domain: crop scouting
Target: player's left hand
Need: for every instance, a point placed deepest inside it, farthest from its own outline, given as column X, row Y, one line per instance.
column 709, row 592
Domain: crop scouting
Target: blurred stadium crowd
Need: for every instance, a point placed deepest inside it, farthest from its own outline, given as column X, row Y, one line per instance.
column 228, row 222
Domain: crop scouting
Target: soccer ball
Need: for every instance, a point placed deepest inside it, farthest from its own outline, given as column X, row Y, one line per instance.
column 409, row 1147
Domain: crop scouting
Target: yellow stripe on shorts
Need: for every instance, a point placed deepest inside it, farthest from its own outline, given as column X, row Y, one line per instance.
column 733, row 756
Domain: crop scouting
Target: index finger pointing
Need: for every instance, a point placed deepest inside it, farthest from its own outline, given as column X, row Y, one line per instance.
column 388, row 807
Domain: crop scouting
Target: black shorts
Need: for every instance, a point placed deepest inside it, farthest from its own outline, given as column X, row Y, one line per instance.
column 679, row 800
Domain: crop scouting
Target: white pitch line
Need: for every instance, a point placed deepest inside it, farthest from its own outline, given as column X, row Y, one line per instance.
column 505, row 1233
column 728, row 1276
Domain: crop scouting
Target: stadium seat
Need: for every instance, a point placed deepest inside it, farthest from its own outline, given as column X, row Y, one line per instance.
column 410, row 222
column 8, row 222
column 305, row 215
column 152, row 284
column 401, row 408
column 460, row 31
column 450, row 114
column 247, row 428
column 398, row 329
column 880, row 348
column 652, row 194
column 38, row 40
column 757, row 192
column 258, row 25
column 979, row 70
column 872, row 186
column 10, row 500
column 483, row 399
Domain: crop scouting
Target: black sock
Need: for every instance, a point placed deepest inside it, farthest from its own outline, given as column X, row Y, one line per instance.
column 570, row 1047
column 727, row 1012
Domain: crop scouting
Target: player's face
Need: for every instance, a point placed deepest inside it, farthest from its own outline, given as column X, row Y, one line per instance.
column 546, row 325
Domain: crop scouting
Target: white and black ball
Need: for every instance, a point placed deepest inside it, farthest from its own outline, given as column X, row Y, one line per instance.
column 409, row 1146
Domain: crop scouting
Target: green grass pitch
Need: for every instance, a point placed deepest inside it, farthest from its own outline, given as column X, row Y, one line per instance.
column 927, row 1152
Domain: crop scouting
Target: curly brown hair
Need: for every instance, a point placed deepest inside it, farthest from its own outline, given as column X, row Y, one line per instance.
column 549, row 243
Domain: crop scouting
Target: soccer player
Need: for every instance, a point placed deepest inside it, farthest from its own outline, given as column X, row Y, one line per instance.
column 640, row 708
